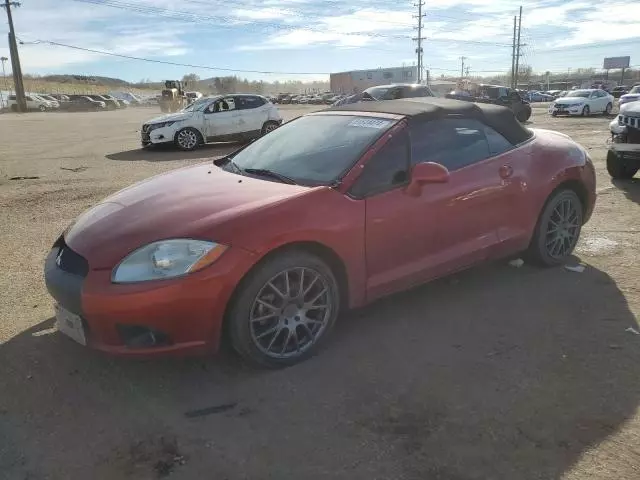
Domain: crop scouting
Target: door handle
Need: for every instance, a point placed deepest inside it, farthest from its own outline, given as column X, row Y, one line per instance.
column 506, row 171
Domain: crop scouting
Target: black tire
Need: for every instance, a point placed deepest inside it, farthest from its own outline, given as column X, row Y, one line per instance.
column 618, row 168
column 608, row 109
column 586, row 111
column 269, row 126
column 187, row 139
column 538, row 251
column 238, row 319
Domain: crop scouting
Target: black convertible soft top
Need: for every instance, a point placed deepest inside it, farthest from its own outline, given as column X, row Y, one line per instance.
column 501, row 119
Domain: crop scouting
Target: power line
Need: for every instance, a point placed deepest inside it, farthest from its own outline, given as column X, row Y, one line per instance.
column 227, row 22
column 164, row 62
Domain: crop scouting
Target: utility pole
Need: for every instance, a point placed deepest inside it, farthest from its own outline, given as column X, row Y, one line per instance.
column 462, row 59
column 419, row 38
column 518, row 48
column 466, row 71
column 21, row 102
column 513, row 54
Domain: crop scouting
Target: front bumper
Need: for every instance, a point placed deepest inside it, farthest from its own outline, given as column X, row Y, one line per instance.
column 157, row 136
column 566, row 110
column 179, row 316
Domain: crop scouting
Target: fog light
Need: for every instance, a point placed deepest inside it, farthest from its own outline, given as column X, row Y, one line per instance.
column 138, row 336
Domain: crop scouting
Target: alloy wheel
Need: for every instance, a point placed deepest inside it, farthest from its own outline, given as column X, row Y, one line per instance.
column 290, row 312
column 563, row 229
column 270, row 127
column 187, row 139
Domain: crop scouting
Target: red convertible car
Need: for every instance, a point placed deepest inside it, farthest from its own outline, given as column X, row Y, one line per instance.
column 330, row 211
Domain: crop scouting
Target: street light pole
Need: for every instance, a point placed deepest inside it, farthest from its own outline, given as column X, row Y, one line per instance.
column 4, row 80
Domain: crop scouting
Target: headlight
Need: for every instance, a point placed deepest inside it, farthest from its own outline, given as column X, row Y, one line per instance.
column 166, row 259
column 160, row 125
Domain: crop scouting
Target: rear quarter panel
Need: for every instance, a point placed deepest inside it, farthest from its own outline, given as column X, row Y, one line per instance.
column 555, row 160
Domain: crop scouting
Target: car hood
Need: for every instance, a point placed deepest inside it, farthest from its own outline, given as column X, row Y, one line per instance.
column 171, row 117
column 570, row 100
column 630, row 97
column 631, row 108
column 186, row 203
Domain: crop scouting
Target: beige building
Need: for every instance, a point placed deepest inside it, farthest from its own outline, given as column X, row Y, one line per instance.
column 358, row 80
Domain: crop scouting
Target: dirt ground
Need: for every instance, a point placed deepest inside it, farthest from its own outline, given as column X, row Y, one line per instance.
column 495, row 373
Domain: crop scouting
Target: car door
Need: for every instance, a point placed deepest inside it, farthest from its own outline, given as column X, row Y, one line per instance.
column 595, row 102
column 394, row 238
column 220, row 118
column 252, row 111
column 471, row 208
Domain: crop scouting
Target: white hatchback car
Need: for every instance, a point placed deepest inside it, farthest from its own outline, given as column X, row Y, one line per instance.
column 583, row 102
column 220, row 118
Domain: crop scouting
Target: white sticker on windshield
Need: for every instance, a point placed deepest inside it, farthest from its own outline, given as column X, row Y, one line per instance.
column 369, row 123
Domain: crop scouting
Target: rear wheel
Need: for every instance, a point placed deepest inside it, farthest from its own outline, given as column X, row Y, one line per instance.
column 558, row 229
column 586, row 111
column 42, row 108
column 284, row 310
column 269, row 126
column 187, row 139
column 620, row 169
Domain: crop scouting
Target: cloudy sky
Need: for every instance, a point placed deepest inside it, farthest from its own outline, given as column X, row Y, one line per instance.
column 306, row 39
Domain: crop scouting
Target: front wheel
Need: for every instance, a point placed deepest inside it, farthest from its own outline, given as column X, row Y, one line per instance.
column 619, row 169
column 558, row 229
column 187, row 139
column 586, row 111
column 284, row 310
column 269, row 126
column 608, row 109
column 42, row 108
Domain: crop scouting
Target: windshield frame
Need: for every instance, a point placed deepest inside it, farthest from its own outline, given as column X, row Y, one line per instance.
column 579, row 94
column 197, row 104
column 635, row 90
column 337, row 180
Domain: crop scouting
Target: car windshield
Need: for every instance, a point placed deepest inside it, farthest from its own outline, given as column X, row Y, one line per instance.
column 635, row 89
column 579, row 93
column 199, row 105
column 377, row 93
column 313, row 150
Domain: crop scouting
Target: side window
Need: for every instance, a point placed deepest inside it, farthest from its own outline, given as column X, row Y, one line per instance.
column 246, row 103
column 497, row 143
column 454, row 143
column 387, row 169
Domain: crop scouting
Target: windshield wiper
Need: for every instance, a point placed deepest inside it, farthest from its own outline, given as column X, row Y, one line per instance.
column 270, row 173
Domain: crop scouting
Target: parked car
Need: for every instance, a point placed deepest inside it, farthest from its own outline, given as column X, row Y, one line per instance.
column 620, row 90
column 623, row 157
column 387, row 92
column 214, row 119
column 632, row 96
column 60, row 97
column 497, row 95
column 53, row 100
column 271, row 242
column 34, row 102
column 583, row 102
column 84, row 103
column 123, row 103
column 110, row 104
column 539, row 97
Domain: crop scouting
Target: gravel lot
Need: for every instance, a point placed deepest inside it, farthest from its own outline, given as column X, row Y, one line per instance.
column 496, row 373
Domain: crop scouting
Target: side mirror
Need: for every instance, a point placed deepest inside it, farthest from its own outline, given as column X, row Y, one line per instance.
column 423, row 173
